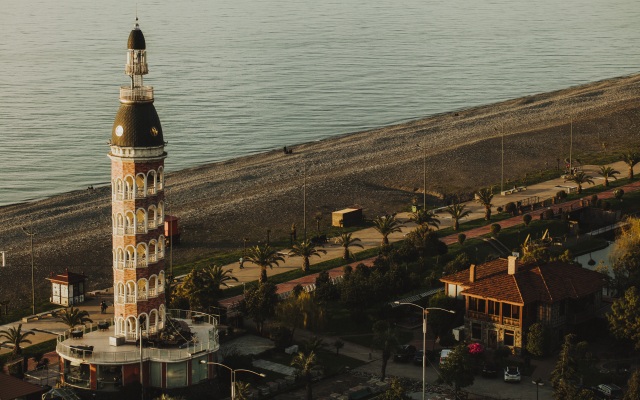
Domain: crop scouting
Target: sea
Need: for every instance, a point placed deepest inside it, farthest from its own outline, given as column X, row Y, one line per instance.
column 238, row 77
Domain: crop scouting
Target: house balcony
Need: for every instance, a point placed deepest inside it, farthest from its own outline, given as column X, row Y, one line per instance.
column 480, row 316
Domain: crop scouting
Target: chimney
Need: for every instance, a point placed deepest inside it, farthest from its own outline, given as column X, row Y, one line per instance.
column 512, row 266
column 472, row 273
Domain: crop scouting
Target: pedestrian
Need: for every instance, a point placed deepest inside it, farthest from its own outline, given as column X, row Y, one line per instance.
column 103, row 307
column 241, row 262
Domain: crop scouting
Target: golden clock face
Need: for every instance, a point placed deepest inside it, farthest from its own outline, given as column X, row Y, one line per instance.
column 154, row 131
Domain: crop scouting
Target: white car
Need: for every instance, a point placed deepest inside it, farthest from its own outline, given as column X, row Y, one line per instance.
column 512, row 374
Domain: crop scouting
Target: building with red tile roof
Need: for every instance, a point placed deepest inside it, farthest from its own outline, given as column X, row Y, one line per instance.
column 503, row 298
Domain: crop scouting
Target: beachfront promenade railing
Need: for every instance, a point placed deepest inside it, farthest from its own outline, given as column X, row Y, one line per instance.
column 124, row 354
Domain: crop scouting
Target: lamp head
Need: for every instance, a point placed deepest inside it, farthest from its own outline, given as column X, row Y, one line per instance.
column 203, row 362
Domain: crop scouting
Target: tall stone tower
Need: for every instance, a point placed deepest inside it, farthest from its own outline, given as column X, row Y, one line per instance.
column 137, row 197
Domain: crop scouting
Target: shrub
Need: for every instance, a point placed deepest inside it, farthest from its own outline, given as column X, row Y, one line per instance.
column 594, row 199
column 495, row 229
column 510, row 207
column 526, row 219
column 618, row 193
column 548, row 213
column 499, row 209
column 606, row 206
column 461, row 238
column 561, row 194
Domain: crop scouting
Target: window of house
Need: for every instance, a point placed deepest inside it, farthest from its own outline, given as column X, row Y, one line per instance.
column 476, row 331
column 494, row 308
column 510, row 311
column 509, row 338
column 476, row 304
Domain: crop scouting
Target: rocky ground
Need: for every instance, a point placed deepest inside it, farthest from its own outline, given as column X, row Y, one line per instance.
column 379, row 170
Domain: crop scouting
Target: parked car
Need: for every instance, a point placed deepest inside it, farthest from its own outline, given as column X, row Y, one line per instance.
column 444, row 354
column 489, row 370
column 405, row 353
column 417, row 358
column 608, row 391
column 512, row 374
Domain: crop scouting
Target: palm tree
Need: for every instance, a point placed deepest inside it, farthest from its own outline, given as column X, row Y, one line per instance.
column 74, row 316
column 202, row 286
column 457, row 212
column 608, row 172
column 484, row 197
column 579, row 178
column 425, row 217
column 306, row 249
column 264, row 256
column 16, row 337
column 386, row 225
column 345, row 240
column 631, row 158
column 305, row 363
column 242, row 390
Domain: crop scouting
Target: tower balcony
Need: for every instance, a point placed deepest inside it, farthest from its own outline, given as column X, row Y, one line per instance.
column 140, row 93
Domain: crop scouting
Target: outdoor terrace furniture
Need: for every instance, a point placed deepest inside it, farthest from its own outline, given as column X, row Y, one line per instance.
column 103, row 326
column 76, row 334
column 81, row 350
column 197, row 319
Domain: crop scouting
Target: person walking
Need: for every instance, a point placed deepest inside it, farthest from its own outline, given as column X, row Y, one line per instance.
column 103, row 307
column 241, row 262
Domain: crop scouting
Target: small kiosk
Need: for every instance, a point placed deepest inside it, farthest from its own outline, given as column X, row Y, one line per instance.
column 346, row 217
column 67, row 289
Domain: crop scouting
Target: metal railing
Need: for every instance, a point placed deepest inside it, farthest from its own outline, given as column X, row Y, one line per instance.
column 131, row 298
column 136, row 93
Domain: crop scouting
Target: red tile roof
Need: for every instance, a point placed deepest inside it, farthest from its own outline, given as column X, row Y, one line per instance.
column 548, row 283
column 12, row 388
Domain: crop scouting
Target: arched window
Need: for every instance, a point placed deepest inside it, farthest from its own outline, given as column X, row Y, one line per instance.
column 119, row 258
column 129, row 223
column 153, row 217
column 131, row 328
column 161, row 282
column 128, row 187
column 119, row 189
column 153, row 320
column 119, row 326
column 141, row 253
column 143, row 286
column 119, row 224
column 130, row 257
column 141, row 220
column 153, row 286
column 153, row 251
column 130, row 292
column 160, row 177
column 140, row 186
column 119, row 293
column 161, row 213
column 161, row 316
column 151, row 182
column 143, row 319
column 161, row 241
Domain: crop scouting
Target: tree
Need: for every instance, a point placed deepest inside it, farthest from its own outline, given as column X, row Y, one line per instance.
column 202, row 286
column 538, row 339
column 440, row 322
column 265, row 257
column 457, row 368
column 618, row 193
column 16, row 337
column 580, row 178
column 457, row 264
column 260, row 303
column 326, row 290
column 633, row 386
column 625, row 256
column 385, row 339
column 624, row 317
column 631, row 158
column 461, row 238
column 484, row 197
column 426, row 242
column 495, row 229
column 386, row 225
column 306, row 249
column 242, row 390
column 346, row 241
column 73, row 317
column 396, row 391
column 457, row 212
column 300, row 311
column 425, row 217
column 565, row 378
column 608, row 172
column 305, row 362
column 526, row 219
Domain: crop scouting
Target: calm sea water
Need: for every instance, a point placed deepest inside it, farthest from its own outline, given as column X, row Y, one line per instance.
column 235, row 77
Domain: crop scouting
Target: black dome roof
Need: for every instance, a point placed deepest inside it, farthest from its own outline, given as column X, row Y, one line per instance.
column 137, row 125
column 136, row 40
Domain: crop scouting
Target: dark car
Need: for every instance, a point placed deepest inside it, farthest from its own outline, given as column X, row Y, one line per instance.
column 417, row 358
column 489, row 370
column 405, row 353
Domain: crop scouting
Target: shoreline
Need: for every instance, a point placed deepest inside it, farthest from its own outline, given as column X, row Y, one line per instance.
column 380, row 169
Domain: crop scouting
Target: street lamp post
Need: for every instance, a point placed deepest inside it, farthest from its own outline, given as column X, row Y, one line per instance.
column 538, row 382
column 425, row 311
column 31, row 234
column 233, row 374
column 424, row 175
